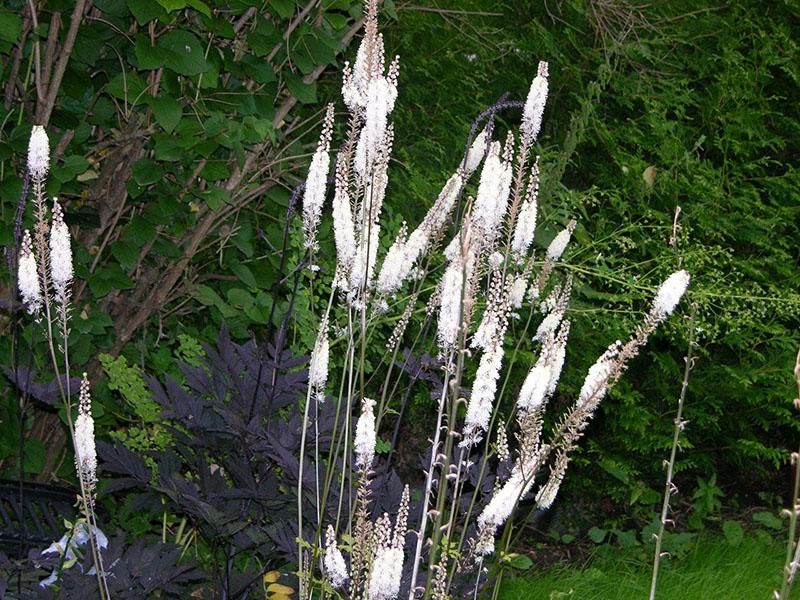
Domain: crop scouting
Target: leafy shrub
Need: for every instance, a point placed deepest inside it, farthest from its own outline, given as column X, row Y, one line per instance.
column 174, row 127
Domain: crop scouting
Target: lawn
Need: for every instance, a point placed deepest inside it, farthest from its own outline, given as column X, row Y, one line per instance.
column 712, row 569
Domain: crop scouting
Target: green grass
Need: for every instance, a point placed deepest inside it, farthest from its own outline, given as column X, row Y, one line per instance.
column 712, row 569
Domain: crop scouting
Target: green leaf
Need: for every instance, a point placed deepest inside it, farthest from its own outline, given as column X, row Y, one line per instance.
column 284, row 8
column 127, row 86
column 320, row 52
column 768, row 519
column 70, row 168
column 214, row 171
column 215, row 196
column 626, row 538
column 262, row 127
column 239, row 297
column 258, row 69
column 185, row 54
column 10, row 26
column 519, row 561
column 205, row 295
column 734, row 534
column 145, row 10
column 167, row 112
column 200, row 7
column 597, row 535
column 244, row 274
column 172, row 5
column 125, row 252
column 612, row 469
column 107, row 278
column 147, row 56
column 336, row 21
column 304, row 92
column 147, row 172
column 303, row 61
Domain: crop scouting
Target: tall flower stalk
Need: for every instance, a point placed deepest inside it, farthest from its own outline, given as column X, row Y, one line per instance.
column 679, row 426
column 45, row 279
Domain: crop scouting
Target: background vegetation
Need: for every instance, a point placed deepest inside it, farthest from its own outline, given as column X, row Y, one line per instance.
column 179, row 127
column 682, row 104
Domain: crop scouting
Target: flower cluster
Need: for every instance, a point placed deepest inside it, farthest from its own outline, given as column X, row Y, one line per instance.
column 489, row 266
column 317, row 182
column 85, row 451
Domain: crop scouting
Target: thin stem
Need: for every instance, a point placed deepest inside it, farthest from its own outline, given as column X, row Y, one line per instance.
column 679, row 424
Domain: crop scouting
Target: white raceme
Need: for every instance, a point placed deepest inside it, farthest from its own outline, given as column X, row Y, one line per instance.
column 491, row 203
column 317, row 183
column 28, row 277
column 534, row 105
column 85, row 450
column 475, row 153
column 481, row 402
column 335, row 567
column 670, row 294
column 596, row 383
column 559, row 243
column 365, row 441
column 385, row 575
column 318, row 368
column 38, row 153
column 61, row 270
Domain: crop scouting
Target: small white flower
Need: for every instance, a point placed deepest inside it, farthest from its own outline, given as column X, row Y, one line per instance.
column 548, row 325
column 506, row 498
column 525, row 228
column 317, row 183
column 85, row 450
column 475, row 153
column 385, row 575
column 479, row 408
column 496, row 260
column 335, row 567
column 534, row 105
column 365, row 441
column 596, row 383
column 670, row 294
column 318, row 369
column 517, row 295
column 38, row 153
column 491, row 202
column 450, row 307
column 343, row 233
column 28, row 277
column 542, row 379
column 559, row 243
column 61, row 271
